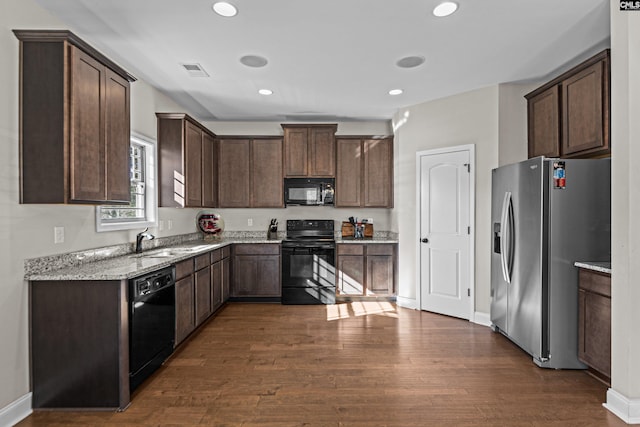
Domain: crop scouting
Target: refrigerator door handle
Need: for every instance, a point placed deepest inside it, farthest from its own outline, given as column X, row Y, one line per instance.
column 506, row 221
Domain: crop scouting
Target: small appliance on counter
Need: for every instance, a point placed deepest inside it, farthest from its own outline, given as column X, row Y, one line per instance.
column 272, row 232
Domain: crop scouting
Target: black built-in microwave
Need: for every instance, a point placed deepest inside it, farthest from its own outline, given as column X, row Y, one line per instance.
column 309, row 191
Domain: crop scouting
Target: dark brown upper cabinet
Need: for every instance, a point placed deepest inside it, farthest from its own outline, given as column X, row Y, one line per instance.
column 74, row 121
column 309, row 150
column 251, row 173
column 187, row 164
column 364, row 172
column 569, row 117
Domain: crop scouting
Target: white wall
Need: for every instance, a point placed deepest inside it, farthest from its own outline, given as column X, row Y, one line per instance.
column 624, row 396
column 468, row 118
column 512, row 122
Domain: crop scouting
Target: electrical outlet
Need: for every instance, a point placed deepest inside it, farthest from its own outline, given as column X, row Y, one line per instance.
column 58, row 234
column 250, row 222
column 160, row 225
column 170, row 224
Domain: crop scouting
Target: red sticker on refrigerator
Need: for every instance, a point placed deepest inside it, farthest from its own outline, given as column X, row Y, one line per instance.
column 559, row 176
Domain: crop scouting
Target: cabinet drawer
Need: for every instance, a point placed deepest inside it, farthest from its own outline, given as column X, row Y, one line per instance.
column 216, row 256
column 350, row 249
column 226, row 252
column 257, row 249
column 594, row 281
column 202, row 261
column 380, row 249
column 184, row 268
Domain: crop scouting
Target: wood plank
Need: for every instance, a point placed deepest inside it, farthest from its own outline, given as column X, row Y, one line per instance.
column 358, row 364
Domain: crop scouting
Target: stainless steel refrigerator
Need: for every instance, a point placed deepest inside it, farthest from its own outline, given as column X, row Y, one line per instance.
column 546, row 214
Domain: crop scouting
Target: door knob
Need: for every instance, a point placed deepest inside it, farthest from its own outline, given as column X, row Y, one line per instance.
column 425, row 240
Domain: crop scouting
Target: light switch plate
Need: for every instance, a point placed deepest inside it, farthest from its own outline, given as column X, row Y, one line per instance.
column 58, row 234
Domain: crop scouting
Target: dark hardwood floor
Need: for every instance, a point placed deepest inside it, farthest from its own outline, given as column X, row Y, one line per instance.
column 356, row 364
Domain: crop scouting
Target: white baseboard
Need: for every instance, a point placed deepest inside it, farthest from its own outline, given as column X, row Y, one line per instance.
column 407, row 302
column 16, row 411
column 481, row 318
column 628, row 410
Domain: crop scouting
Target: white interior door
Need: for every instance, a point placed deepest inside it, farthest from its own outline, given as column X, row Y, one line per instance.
column 445, row 232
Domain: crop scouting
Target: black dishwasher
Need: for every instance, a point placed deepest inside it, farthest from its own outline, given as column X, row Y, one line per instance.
column 152, row 314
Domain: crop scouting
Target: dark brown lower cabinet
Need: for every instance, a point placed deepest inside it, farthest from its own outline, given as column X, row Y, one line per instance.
column 185, row 316
column 366, row 269
column 203, row 300
column 79, row 344
column 595, row 322
column 256, row 270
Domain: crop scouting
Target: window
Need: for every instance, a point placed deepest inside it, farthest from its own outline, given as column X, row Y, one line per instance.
column 142, row 211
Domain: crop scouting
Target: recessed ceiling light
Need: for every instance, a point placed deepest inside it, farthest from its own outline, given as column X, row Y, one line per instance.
column 445, row 9
column 395, row 92
column 253, row 61
column 410, row 61
column 265, row 92
column 225, row 9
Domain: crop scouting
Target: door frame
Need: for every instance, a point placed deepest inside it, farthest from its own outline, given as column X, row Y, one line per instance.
column 471, row 148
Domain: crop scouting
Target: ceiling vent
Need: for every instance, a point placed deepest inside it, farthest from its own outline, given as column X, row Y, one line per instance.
column 195, row 70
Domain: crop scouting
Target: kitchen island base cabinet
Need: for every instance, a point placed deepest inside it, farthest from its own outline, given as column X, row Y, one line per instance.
column 256, row 271
column 79, row 344
column 594, row 327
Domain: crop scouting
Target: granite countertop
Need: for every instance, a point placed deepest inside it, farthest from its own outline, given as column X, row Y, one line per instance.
column 375, row 239
column 131, row 265
column 602, row 267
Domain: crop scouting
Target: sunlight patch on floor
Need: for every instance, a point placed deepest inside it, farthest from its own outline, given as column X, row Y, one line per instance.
column 361, row 308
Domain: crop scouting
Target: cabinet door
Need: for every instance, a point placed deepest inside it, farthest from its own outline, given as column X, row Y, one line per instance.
column 216, row 285
column 322, row 152
column 192, row 165
column 117, row 138
column 584, row 112
column 380, row 274
column 266, row 173
column 348, row 173
column 256, row 276
column 378, row 173
column 544, row 123
column 226, row 278
column 203, row 307
column 350, row 275
column 296, row 151
column 234, row 173
column 185, row 318
column 595, row 331
column 209, row 175
column 87, row 148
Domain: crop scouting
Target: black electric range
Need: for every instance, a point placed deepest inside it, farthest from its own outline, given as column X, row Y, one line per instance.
column 308, row 262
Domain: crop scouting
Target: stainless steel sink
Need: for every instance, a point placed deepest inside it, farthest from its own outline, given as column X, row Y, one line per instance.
column 171, row 252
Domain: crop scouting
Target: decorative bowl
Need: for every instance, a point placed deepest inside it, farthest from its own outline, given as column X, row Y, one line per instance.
column 210, row 223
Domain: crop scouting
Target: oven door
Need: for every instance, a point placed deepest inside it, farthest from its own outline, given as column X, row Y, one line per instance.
column 308, row 273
